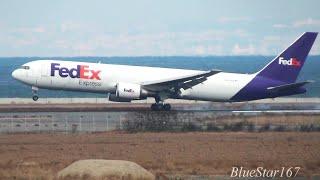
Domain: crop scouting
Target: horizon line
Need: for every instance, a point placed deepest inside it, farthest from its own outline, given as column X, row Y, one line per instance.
column 201, row 56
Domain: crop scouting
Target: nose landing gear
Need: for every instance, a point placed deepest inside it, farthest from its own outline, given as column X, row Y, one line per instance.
column 35, row 96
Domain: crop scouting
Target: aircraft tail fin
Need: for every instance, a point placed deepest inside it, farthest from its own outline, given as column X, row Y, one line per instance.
column 287, row 65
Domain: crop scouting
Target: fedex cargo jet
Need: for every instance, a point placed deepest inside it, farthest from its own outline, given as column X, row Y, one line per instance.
column 126, row 83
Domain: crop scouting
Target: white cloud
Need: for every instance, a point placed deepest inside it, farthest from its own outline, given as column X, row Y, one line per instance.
column 307, row 22
column 271, row 38
column 26, row 42
column 315, row 50
column 241, row 33
column 249, row 50
column 61, row 44
column 206, row 50
column 233, row 19
column 299, row 23
column 280, row 26
column 270, row 45
column 200, row 50
column 38, row 29
column 72, row 26
column 162, row 43
column 83, row 49
column 70, row 40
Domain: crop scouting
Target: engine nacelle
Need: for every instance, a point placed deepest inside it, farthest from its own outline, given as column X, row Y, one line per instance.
column 114, row 98
column 125, row 92
column 128, row 91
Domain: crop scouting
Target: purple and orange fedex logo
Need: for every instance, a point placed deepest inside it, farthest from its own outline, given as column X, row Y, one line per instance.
column 291, row 62
column 81, row 71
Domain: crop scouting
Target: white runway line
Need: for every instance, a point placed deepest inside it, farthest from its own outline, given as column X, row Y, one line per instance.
column 278, row 111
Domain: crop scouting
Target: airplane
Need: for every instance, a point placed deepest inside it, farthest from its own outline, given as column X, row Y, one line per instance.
column 125, row 83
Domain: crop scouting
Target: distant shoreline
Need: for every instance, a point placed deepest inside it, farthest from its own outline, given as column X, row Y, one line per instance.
column 147, row 56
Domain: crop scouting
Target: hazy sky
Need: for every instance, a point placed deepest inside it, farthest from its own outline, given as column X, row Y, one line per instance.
column 155, row 28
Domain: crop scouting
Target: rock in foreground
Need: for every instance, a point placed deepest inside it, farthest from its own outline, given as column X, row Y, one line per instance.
column 104, row 169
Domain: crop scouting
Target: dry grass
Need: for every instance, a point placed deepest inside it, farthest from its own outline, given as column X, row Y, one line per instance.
column 40, row 156
column 276, row 119
column 25, row 170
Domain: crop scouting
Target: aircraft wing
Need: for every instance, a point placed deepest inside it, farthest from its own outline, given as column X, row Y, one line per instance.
column 184, row 82
column 288, row 86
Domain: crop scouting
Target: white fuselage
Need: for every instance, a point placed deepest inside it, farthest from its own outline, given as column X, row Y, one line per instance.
column 219, row 87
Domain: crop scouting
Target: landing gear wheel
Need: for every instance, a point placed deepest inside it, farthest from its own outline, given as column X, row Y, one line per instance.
column 153, row 107
column 156, row 107
column 159, row 107
column 167, row 107
column 35, row 98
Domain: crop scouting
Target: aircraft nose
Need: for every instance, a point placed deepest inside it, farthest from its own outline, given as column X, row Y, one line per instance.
column 15, row 74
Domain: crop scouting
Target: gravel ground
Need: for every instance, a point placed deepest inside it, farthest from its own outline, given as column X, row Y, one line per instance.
column 195, row 153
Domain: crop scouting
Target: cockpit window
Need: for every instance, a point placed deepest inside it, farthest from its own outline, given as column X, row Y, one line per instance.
column 25, row 67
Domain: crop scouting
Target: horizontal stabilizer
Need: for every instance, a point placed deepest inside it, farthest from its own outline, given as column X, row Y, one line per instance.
column 287, row 87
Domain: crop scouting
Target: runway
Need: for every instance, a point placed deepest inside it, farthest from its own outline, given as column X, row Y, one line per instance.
column 95, row 115
column 103, row 105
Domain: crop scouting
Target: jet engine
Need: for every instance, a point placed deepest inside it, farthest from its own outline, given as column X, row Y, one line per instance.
column 125, row 92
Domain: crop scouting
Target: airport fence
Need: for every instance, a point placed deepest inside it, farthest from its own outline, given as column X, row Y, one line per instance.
column 67, row 122
column 89, row 122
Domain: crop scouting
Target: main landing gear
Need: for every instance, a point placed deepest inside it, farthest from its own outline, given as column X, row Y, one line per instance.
column 160, row 105
column 35, row 96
